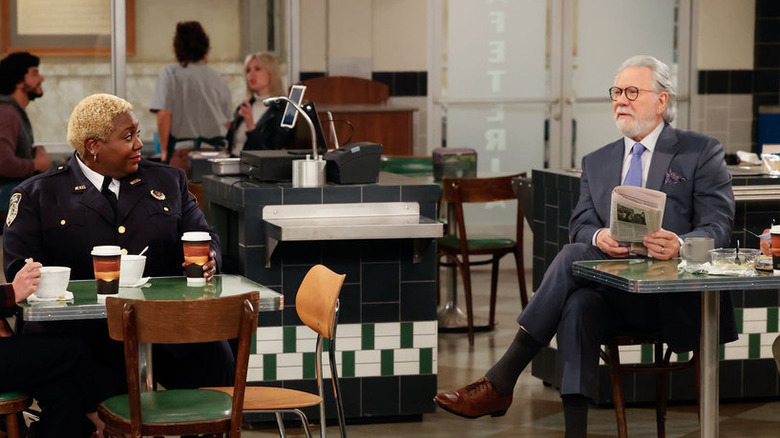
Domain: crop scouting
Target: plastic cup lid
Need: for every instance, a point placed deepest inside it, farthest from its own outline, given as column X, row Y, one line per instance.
column 106, row 250
column 196, row 236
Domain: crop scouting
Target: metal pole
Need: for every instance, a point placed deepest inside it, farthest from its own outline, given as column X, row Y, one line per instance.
column 708, row 374
column 119, row 48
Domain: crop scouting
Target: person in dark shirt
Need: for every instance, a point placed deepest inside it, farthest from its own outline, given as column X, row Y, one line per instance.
column 20, row 84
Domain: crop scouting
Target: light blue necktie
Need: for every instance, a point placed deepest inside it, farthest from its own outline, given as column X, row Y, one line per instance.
column 634, row 175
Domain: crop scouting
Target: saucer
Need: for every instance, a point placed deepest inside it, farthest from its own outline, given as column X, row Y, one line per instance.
column 140, row 282
column 65, row 296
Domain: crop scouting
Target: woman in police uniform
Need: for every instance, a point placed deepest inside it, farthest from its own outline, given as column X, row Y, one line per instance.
column 108, row 195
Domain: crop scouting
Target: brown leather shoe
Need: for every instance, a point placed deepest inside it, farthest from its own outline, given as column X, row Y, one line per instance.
column 474, row 400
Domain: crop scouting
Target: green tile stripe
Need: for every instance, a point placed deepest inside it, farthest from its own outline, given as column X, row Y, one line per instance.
column 407, row 335
column 367, row 337
column 771, row 320
column 426, row 361
column 387, row 362
column 647, row 353
column 288, row 339
column 348, row 364
column 253, row 344
column 309, row 365
column 683, row 357
column 754, row 346
column 739, row 315
column 269, row 367
column 721, row 352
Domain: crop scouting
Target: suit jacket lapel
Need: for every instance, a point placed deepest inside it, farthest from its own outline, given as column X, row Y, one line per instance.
column 90, row 195
column 665, row 150
column 612, row 172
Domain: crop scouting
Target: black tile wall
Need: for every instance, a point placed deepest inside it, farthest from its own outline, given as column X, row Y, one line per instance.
column 400, row 83
column 383, row 396
column 382, row 284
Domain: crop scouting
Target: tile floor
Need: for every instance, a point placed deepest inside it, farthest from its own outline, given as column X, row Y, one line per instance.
column 536, row 411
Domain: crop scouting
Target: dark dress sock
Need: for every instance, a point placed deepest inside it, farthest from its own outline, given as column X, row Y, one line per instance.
column 575, row 415
column 504, row 374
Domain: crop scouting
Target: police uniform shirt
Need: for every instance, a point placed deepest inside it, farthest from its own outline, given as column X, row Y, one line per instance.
column 58, row 216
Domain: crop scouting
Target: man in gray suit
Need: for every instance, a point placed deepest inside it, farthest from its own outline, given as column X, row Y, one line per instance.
column 690, row 169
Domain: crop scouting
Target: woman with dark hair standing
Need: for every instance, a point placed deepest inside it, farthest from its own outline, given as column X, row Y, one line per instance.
column 254, row 125
column 192, row 101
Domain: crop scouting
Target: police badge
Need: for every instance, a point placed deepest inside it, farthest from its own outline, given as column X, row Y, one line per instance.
column 13, row 208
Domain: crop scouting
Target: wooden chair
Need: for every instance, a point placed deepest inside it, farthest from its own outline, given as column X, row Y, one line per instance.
column 11, row 403
column 460, row 247
column 317, row 305
column 180, row 411
column 661, row 366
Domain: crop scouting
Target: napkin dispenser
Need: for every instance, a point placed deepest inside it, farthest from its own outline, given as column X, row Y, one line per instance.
column 355, row 163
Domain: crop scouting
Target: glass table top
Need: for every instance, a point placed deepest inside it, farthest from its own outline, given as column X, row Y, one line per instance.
column 662, row 276
column 85, row 304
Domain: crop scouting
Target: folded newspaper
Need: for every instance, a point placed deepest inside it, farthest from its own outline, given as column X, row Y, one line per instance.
column 634, row 212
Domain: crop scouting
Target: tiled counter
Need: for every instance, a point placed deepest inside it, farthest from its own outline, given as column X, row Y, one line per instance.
column 747, row 369
column 387, row 329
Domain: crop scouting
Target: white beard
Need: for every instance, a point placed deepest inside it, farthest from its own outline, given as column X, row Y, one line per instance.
column 636, row 127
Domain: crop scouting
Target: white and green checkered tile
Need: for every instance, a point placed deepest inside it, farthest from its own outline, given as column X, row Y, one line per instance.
column 364, row 350
column 757, row 328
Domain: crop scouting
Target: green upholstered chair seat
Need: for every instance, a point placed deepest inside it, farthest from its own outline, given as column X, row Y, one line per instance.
column 478, row 242
column 409, row 166
column 175, row 406
column 8, row 396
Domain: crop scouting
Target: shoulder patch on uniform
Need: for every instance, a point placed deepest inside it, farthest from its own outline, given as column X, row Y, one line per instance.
column 13, row 208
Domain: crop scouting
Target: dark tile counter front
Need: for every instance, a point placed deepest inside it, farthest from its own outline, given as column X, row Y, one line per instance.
column 747, row 369
column 387, row 329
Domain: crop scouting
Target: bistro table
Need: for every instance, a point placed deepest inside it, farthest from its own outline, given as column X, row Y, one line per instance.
column 85, row 304
column 656, row 276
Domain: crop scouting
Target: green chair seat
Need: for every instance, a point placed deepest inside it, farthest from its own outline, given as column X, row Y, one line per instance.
column 175, row 406
column 478, row 242
column 409, row 166
column 8, row 396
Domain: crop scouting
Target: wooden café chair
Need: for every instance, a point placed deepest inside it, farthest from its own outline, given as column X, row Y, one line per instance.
column 661, row 367
column 11, row 403
column 178, row 411
column 317, row 304
column 460, row 247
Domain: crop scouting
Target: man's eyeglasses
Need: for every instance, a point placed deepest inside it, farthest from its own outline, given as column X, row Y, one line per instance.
column 632, row 92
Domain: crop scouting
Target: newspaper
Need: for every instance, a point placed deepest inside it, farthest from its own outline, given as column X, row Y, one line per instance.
column 635, row 212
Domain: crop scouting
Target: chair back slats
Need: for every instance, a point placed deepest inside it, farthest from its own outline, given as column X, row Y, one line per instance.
column 317, row 297
column 468, row 190
column 177, row 322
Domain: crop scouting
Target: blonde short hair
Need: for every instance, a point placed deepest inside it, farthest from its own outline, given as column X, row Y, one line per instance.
column 268, row 62
column 93, row 118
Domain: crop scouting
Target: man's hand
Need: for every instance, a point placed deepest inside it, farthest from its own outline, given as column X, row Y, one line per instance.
column 27, row 280
column 610, row 246
column 765, row 245
column 662, row 245
column 41, row 162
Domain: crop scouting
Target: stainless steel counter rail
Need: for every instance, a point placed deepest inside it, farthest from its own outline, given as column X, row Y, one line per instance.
column 757, row 193
column 373, row 220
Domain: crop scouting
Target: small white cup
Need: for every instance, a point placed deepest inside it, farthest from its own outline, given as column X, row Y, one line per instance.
column 131, row 269
column 54, row 281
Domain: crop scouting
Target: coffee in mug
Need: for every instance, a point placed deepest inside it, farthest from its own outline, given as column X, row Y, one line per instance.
column 196, row 253
column 775, row 241
column 106, row 260
column 697, row 249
